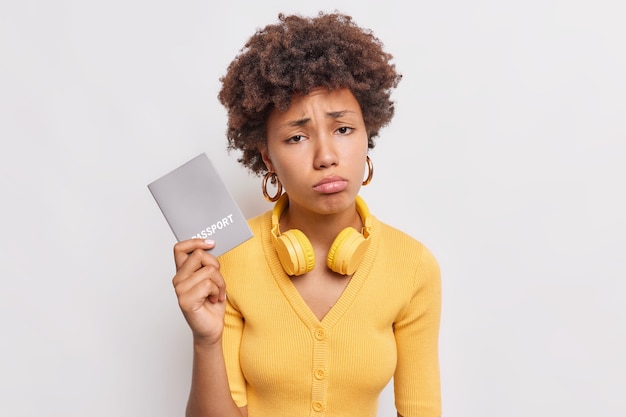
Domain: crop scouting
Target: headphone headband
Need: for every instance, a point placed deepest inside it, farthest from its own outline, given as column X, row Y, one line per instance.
column 296, row 252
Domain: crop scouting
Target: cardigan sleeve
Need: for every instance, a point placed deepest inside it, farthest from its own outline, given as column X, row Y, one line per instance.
column 416, row 380
column 231, row 341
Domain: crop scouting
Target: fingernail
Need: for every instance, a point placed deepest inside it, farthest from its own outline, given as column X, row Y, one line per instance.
column 209, row 242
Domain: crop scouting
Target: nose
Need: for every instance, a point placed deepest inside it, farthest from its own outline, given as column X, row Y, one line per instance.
column 325, row 152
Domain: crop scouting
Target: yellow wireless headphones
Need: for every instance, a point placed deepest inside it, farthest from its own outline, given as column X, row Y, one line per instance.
column 296, row 252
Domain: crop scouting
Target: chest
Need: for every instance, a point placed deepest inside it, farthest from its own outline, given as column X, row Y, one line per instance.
column 320, row 289
column 355, row 357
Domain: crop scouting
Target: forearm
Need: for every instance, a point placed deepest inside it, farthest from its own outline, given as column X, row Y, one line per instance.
column 210, row 394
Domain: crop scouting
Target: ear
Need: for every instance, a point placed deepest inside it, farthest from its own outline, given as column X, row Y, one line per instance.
column 265, row 155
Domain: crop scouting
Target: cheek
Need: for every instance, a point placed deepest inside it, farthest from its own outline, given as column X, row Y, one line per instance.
column 289, row 174
column 356, row 153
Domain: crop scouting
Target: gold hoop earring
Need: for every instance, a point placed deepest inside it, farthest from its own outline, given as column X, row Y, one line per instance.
column 370, row 171
column 274, row 180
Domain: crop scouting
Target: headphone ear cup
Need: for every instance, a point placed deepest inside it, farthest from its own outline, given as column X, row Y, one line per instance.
column 295, row 252
column 347, row 251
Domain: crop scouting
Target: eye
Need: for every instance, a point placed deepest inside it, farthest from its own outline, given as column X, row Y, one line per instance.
column 295, row 139
column 344, row 130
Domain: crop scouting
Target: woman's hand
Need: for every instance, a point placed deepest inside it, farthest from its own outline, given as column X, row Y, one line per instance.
column 200, row 289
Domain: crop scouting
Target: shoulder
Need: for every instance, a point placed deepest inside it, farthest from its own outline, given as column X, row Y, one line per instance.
column 261, row 221
column 400, row 243
column 403, row 255
column 244, row 256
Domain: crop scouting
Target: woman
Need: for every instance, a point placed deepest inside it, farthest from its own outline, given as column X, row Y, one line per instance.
column 325, row 303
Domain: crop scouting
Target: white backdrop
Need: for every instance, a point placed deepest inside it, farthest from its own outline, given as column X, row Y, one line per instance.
column 506, row 158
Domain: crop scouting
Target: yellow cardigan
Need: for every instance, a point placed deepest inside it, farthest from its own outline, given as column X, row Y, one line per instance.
column 282, row 361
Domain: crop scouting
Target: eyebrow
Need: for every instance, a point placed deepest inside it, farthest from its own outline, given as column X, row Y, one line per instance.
column 330, row 114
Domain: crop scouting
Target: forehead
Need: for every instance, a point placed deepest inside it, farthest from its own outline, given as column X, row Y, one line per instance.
column 324, row 96
column 318, row 99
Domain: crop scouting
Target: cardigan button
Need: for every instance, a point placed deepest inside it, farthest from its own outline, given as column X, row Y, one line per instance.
column 320, row 333
column 318, row 406
column 319, row 373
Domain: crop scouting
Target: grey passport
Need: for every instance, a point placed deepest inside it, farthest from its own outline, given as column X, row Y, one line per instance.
column 196, row 204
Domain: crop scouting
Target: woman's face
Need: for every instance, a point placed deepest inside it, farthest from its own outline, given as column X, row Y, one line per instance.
column 318, row 149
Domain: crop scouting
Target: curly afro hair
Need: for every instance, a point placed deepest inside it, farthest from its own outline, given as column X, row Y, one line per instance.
column 295, row 56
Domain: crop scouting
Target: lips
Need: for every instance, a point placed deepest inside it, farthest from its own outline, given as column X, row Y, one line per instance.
column 332, row 184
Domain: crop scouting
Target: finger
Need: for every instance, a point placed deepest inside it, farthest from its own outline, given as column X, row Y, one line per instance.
column 209, row 272
column 217, row 279
column 184, row 248
column 195, row 261
column 193, row 299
